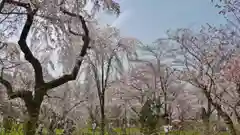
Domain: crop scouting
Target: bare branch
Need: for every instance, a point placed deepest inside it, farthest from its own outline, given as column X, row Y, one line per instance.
column 2, row 5
column 108, row 67
column 20, row 4
column 72, row 76
column 11, row 13
column 75, row 33
column 75, row 105
column 96, row 78
column 56, row 97
column 21, row 94
column 7, row 84
column 27, row 52
column 11, row 94
column 22, row 41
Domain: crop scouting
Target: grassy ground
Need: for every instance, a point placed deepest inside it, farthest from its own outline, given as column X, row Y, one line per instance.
column 17, row 130
column 119, row 133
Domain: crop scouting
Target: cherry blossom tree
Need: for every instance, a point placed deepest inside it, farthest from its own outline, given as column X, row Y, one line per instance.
column 152, row 74
column 230, row 10
column 49, row 23
column 150, row 82
column 204, row 54
column 105, row 63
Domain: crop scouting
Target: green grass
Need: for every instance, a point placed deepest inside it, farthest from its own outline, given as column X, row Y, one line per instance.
column 136, row 131
column 119, row 133
column 117, row 130
column 17, row 130
column 20, row 132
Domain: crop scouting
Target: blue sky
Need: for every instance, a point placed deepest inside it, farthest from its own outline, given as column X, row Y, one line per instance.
column 148, row 20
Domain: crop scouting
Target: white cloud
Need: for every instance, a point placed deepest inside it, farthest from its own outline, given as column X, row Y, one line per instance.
column 122, row 18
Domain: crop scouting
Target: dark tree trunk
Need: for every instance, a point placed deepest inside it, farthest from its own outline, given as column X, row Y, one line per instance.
column 223, row 114
column 206, row 117
column 125, row 121
column 228, row 122
column 7, row 124
column 207, row 125
column 30, row 126
column 102, row 109
column 33, row 104
column 166, row 113
column 165, row 103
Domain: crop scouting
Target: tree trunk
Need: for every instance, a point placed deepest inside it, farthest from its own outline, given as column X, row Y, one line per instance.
column 228, row 122
column 207, row 125
column 125, row 121
column 237, row 115
column 7, row 124
column 206, row 118
column 166, row 113
column 102, row 109
column 31, row 126
column 225, row 117
column 165, row 103
column 223, row 114
column 33, row 105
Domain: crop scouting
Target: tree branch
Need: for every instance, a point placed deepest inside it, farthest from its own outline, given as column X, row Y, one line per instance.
column 7, row 85
column 72, row 76
column 20, row 94
column 75, row 33
column 70, row 109
column 61, row 98
column 109, row 64
column 9, row 88
column 22, row 41
column 2, row 5
column 27, row 6
column 15, row 3
column 13, row 13
column 27, row 52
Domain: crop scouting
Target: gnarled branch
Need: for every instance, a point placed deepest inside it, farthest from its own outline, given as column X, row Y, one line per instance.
column 2, row 5
column 7, row 85
column 20, row 94
column 22, row 41
column 27, row 52
column 27, row 6
column 72, row 76
column 11, row 94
